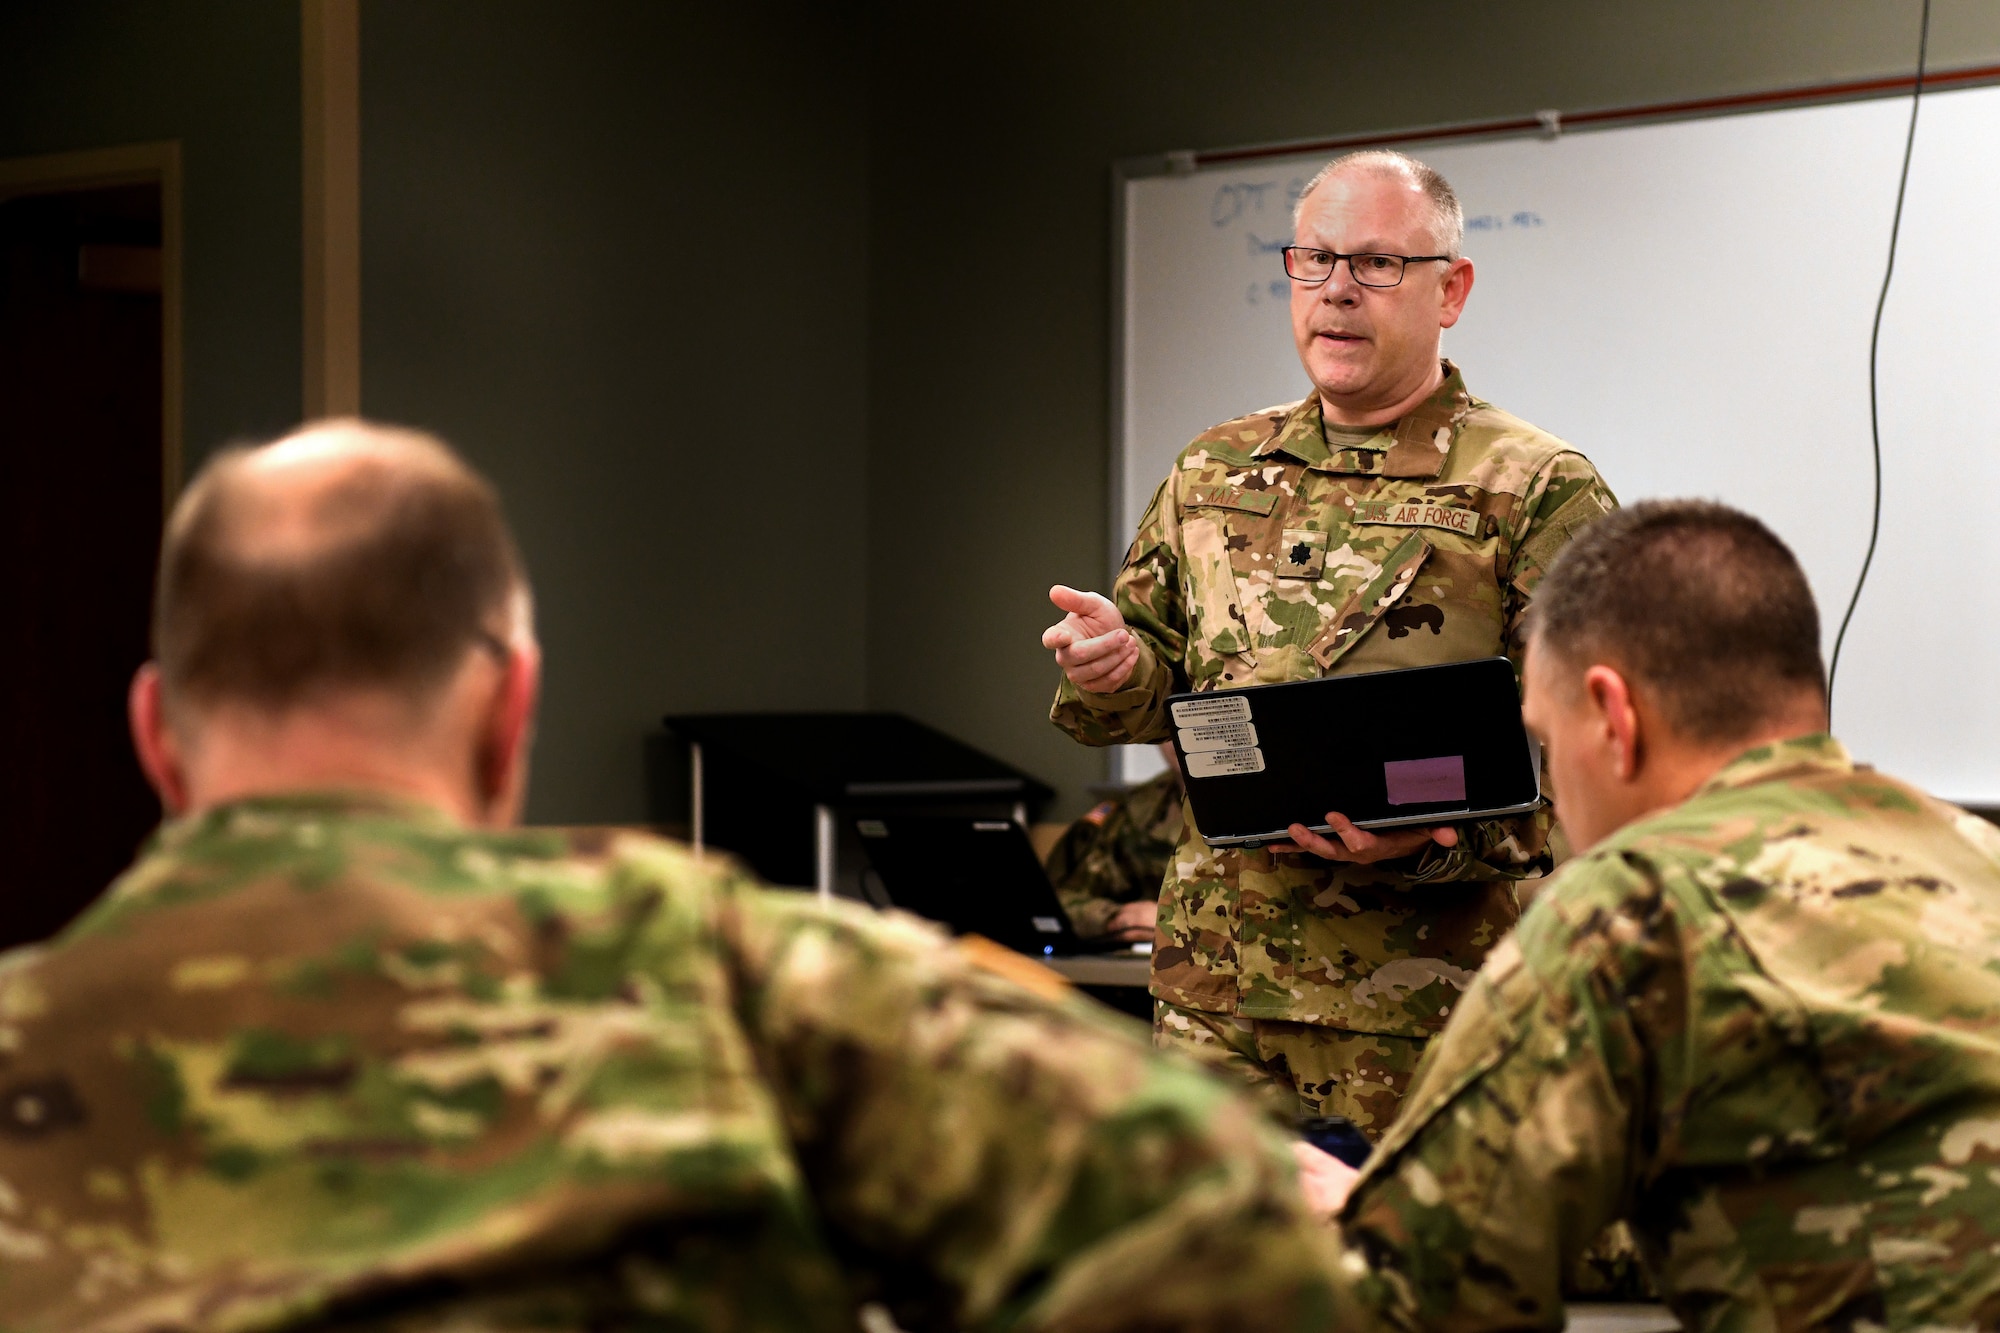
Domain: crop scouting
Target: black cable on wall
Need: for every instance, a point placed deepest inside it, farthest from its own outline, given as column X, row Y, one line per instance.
column 1874, row 348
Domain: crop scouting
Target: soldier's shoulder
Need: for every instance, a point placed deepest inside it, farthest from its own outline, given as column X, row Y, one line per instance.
column 593, row 861
column 250, row 849
column 1587, row 893
column 1235, row 442
column 1499, row 451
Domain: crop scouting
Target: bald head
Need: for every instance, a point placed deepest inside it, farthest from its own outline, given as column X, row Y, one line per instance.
column 345, row 557
column 1445, row 215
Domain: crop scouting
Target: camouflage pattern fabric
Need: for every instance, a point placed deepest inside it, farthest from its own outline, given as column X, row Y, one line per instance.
column 1764, row 1027
column 1268, row 556
column 1118, row 852
column 1300, row 1069
column 332, row 1062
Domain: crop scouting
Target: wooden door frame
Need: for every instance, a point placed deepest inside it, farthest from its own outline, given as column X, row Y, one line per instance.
column 133, row 164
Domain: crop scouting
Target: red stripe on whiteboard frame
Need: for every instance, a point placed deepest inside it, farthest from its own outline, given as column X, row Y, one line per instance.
column 1701, row 106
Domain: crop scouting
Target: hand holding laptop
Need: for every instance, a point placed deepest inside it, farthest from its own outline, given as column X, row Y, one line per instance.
column 1359, row 846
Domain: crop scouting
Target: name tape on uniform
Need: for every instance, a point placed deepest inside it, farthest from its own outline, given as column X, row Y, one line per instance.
column 1225, row 763
column 1218, row 736
column 1415, row 514
column 1260, row 503
column 1211, row 711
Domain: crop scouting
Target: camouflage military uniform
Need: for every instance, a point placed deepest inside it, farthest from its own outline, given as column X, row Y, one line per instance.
column 1118, row 853
column 1765, row 1027
column 332, row 1062
column 1267, row 556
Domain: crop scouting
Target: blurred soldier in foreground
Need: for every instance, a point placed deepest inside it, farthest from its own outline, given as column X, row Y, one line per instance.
column 340, row 1052
column 1109, row 865
column 1758, row 1017
column 1388, row 519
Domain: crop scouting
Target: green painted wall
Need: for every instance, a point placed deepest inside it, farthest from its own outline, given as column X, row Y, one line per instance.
column 221, row 76
column 617, row 252
column 992, row 129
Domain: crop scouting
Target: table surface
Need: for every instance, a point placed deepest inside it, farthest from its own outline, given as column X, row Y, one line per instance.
column 1127, row 969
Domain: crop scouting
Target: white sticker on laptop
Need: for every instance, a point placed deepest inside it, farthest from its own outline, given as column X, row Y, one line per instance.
column 1047, row 925
column 1218, row 736
column 1225, row 763
column 1212, row 710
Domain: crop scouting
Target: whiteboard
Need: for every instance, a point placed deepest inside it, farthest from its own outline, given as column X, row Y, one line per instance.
column 1594, row 316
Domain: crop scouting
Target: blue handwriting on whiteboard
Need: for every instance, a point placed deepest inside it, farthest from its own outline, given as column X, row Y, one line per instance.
column 1495, row 222
column 1236, row 198
column 1278, row 289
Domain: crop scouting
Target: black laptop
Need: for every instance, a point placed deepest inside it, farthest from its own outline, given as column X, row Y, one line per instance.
column 977, row 876
column 1423, row 745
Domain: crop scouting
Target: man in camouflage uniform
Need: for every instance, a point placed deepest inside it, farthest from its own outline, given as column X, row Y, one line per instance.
column 1759, row 1018
column 340, row 1051
column 1109, row 865
column 1391, row 519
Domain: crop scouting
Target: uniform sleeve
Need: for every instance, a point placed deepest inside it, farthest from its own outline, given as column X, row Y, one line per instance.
column 1526, row 1130
column 1148, row 594
column 1490, row 849
column 1563, row 497
column 1566, row 496
column 999, row 1153
column 1087, row 872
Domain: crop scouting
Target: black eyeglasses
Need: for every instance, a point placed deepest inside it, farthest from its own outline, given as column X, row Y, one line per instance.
column 1310, row 265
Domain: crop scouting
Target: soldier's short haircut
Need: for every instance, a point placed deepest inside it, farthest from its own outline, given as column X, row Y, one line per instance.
column 1447, row 216
column 380, row 575
column 1699, row 602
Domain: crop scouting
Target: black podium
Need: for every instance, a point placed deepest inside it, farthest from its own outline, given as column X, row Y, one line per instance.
column 782, row 790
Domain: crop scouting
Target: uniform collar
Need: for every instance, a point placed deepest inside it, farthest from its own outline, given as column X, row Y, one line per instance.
column 1797, row 757
column 304, row 807
column 1414, row 447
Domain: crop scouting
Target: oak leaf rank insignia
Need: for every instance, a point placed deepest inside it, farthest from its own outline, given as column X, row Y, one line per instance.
column 1302, row 554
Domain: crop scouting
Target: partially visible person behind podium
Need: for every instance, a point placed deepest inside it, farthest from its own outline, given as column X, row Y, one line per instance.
column 1109, row 865
column 1758, row 1016
column 343, row 1051
column 1388, row 519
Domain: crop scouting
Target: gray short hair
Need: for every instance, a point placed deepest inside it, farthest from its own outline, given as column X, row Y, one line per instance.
column 1447, row 217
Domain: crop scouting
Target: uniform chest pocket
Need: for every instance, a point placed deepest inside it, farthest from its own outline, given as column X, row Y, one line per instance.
column 1215, row 531
column 1369, row 588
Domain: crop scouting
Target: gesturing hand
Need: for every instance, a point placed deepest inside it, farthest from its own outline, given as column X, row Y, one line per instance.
column 1359, row 846
column 1091, row 643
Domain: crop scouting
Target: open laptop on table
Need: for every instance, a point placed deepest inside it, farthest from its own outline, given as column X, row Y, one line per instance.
column 977, row 876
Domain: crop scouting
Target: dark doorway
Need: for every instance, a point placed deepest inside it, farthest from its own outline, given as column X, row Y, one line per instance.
column 81, row 486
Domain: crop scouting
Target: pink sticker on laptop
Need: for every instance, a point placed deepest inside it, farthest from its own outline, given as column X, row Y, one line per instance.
column 1425, row 781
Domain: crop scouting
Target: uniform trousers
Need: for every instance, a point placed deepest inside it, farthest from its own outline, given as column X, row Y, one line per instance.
column 1301, row 1069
